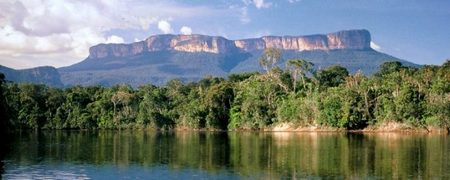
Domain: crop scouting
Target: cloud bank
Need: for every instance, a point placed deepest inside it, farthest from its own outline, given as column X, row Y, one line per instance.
column 60, row 32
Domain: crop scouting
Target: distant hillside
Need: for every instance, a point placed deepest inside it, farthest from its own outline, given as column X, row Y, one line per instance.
column 39, row 75
column 152, row 67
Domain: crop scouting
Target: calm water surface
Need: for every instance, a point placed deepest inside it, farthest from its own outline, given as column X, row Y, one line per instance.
column 232, row 155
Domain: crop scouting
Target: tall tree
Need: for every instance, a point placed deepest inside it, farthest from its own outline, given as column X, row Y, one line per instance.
column 4, row 119
column 300, row 68
column 269, row 59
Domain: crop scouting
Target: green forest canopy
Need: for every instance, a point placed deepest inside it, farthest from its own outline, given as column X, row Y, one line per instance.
column 329, row 97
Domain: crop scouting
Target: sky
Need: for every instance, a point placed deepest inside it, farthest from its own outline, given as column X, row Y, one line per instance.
column 59, row 32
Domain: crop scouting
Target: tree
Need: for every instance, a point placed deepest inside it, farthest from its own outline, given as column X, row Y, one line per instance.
column 363, row 87
column 124, row 98
column 255, row 103
column 153, row 107
column 446, row 64
column 300, row 110
column 269, row 59
column 241, row 76
column 300, row 68
column 389, row 67
column 31, row 109
column 4, row 119
column 77, row 98
column 217, row 102
column 54, row 101
column 331, row 76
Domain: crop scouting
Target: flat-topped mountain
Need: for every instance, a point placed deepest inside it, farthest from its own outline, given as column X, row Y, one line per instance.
column 161, row 58
column 353, row 39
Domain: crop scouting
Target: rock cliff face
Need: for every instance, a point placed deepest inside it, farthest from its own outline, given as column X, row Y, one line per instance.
column 352, row 39
column 184, row 43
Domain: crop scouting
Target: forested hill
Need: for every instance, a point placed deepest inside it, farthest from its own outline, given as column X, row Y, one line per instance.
column 331, row 97
column 161, row 58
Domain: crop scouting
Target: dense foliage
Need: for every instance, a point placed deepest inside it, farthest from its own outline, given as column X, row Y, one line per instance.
column 298, row 95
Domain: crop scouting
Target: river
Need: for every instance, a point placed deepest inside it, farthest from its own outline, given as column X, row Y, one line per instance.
column 141, row 154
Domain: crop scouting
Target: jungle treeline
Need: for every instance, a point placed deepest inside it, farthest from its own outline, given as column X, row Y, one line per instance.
column 299, row 94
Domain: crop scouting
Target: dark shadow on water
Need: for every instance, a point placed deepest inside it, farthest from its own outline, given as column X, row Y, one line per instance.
column 6, row 140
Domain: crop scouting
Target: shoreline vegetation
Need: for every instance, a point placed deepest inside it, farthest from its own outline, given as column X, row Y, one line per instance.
column 298, row 98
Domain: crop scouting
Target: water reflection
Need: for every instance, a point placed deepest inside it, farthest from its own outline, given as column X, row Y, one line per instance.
column 229, row 155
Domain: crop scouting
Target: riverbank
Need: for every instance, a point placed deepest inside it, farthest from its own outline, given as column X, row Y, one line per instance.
column 381, row 128
column 390, row 127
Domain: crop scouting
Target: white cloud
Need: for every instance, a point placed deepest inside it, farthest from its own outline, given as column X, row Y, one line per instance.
column 244, row 16
column 261, row 4
column 165, row 27
column 114, row 39
column 186, row 30
column 293, row 1
column 60, row 32
column 240, row 12
column 374, row 46
column 258, row 3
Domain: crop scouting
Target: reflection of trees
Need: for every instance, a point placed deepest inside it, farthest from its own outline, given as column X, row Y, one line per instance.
column 249, row 154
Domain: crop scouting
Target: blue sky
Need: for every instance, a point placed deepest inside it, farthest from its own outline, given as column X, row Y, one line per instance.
column 60, row 32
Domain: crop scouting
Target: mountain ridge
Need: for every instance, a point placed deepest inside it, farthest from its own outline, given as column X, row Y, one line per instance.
column 349, row 39
column 38, row 75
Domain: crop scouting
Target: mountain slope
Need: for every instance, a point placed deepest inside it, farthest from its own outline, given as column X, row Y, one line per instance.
column 153, row 67
column 367, row 61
